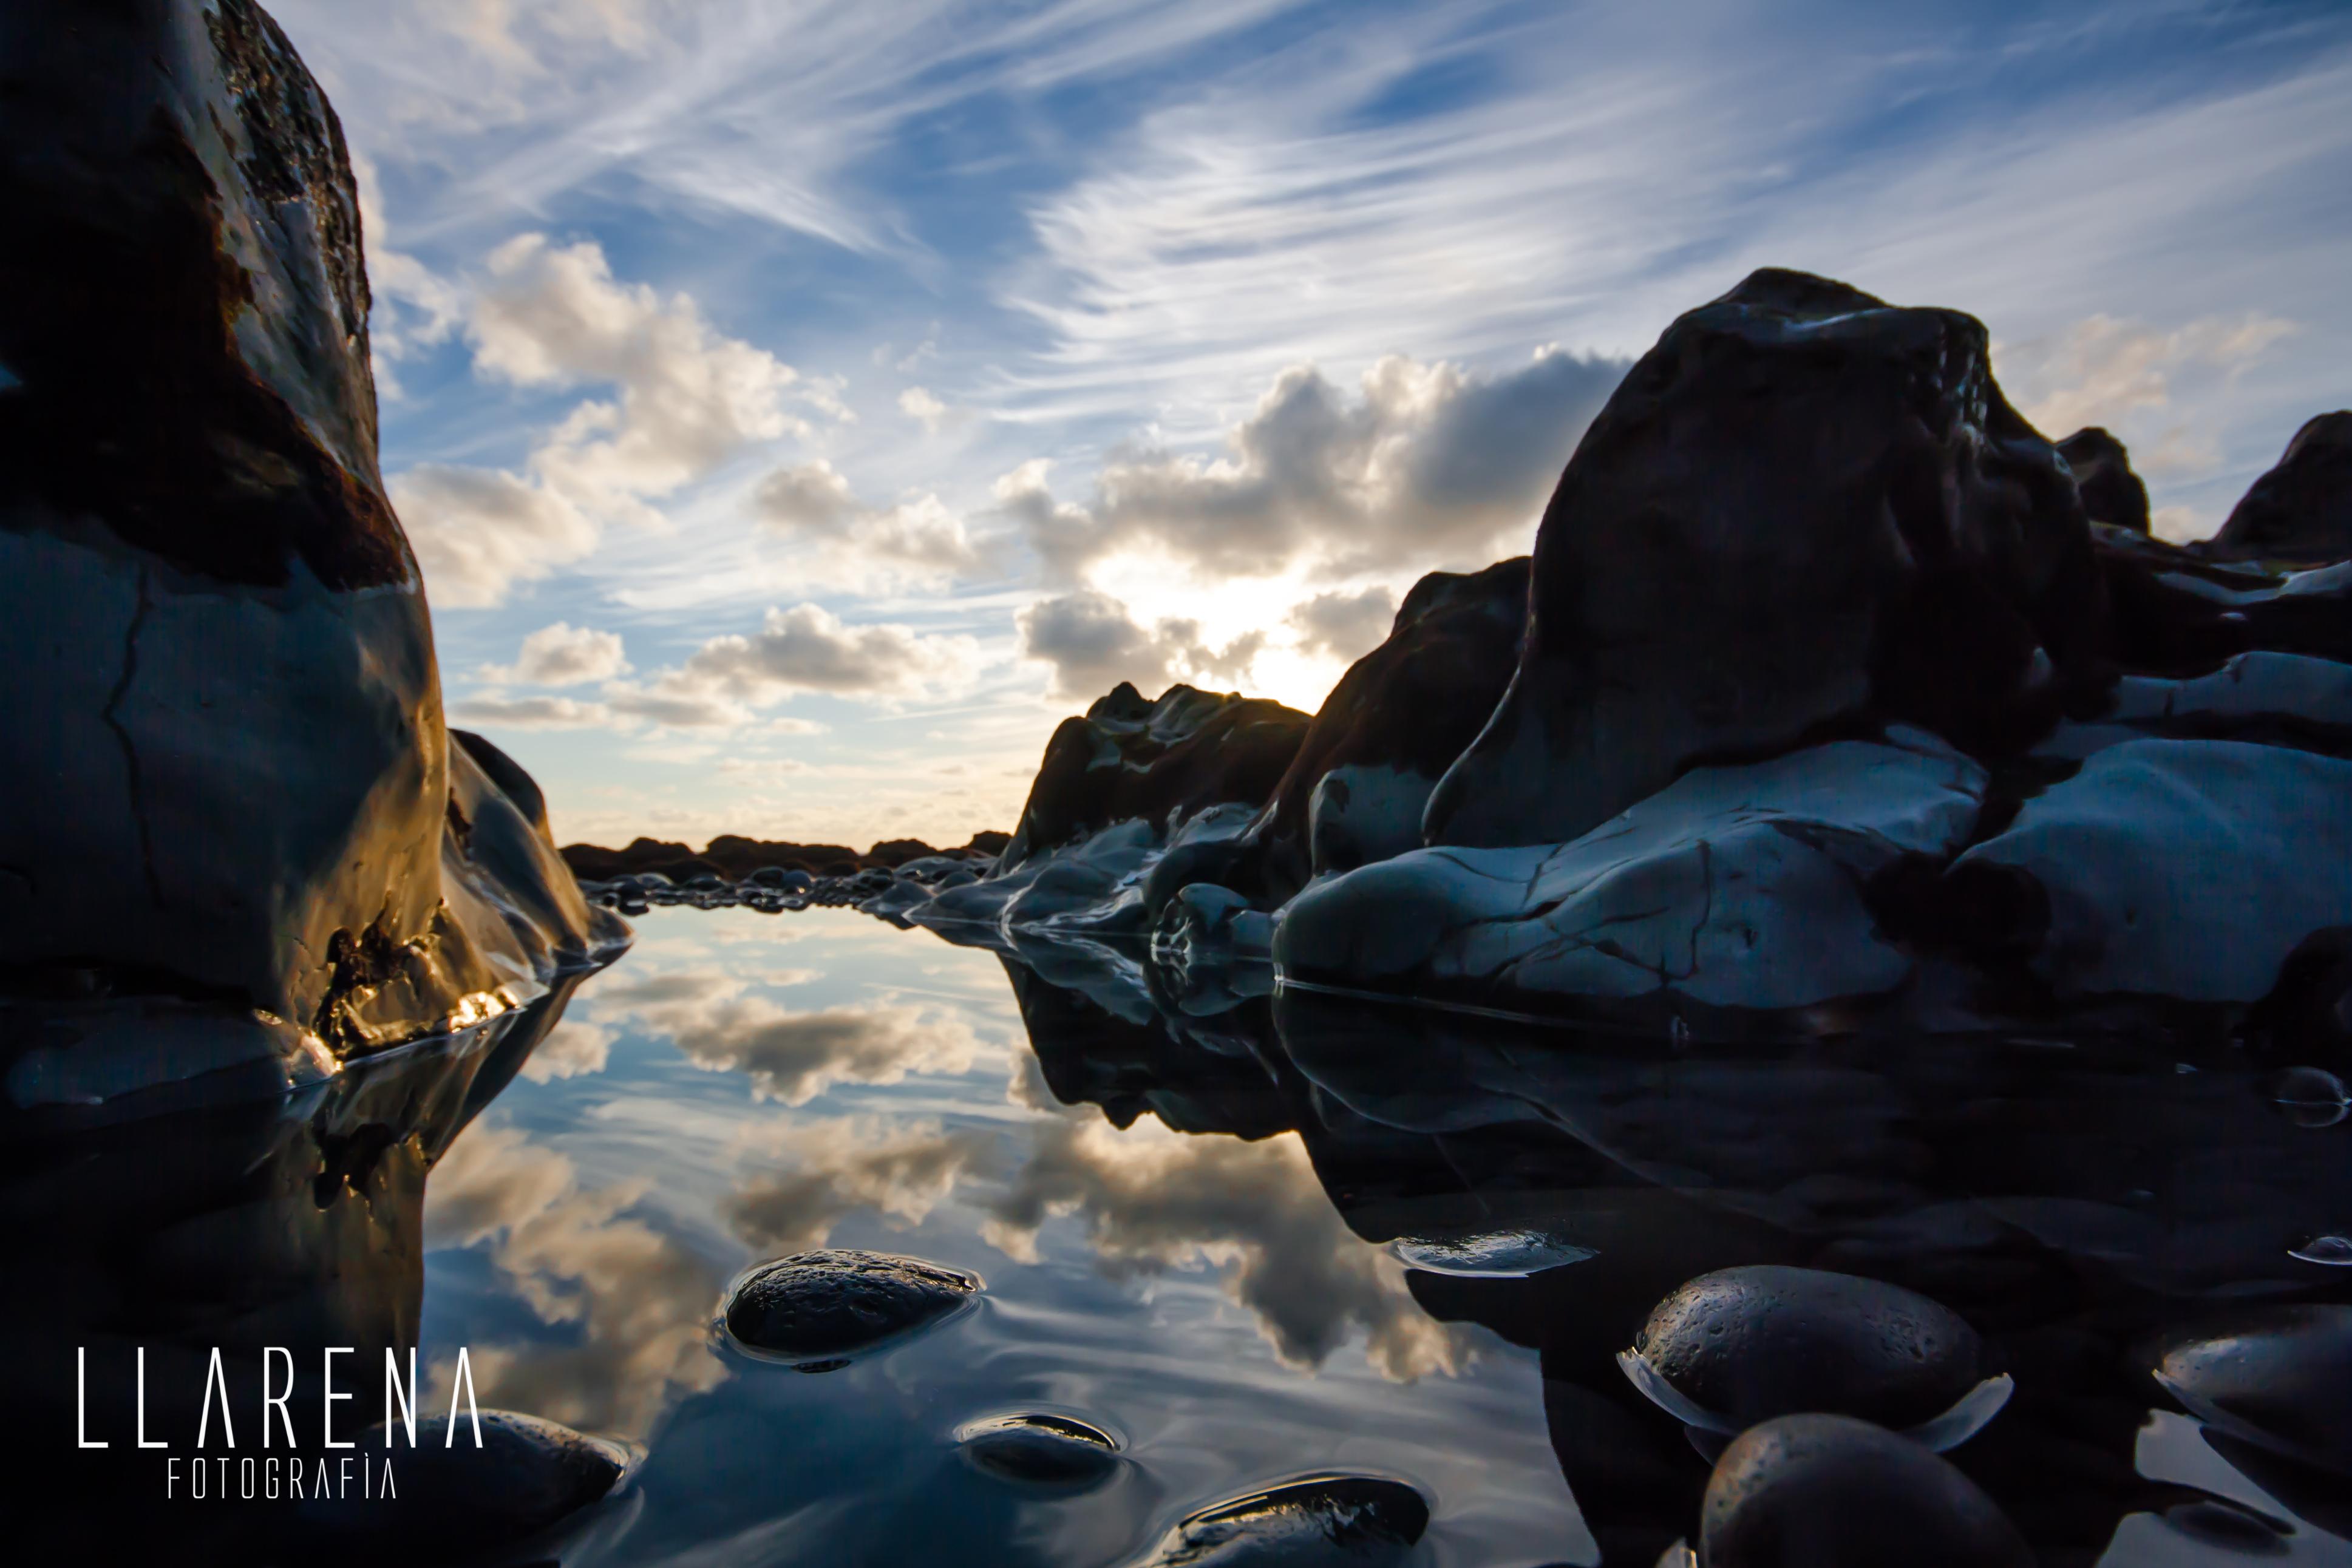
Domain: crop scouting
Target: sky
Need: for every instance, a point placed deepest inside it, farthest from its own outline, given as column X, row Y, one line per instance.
column 799, row 408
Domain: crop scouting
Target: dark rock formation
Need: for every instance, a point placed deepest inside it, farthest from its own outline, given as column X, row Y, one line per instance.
column 1804, row 509
column 2300, row 513
column 1355, row 791
column 1740, row 1346
column 230, row 778
column 737, row 859
column 1829, row 1491
column 2111, row 492
column 1042, row 1450
column 825, row 1304
column 1358, row 1520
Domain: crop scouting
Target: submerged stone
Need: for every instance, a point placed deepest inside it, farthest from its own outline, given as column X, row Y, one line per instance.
column 456, row 1500
column 1831, row 1491
column 1041, row 1450
column 822, row 1304
column 1331, row 1520
column 1741, row 1346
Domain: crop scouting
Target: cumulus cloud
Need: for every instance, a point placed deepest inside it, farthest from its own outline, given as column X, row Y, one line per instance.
column 1426, row 463
column 841, row 539
column 919, row 403
column 789, row 1055
column 1093, row 643
column 634, row 1301
column 807, row 649
column 1345, row 626
column 2105, row 371
column 687, row 399
column 479, row 531
column 488, row 709
column 901, row 1170
column 570, row 1050
column 562, row 654
column 1152, row 1200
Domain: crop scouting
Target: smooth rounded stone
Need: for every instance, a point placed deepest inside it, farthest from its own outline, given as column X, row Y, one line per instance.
column 1041, row 1450
column 528, row 1474
column 1740, row 1346
column 814, row 1305
column 2280, row 1376
column 2311, row 1097
column 789, row 879
column 1831, row 1491
column 2332, row 1251
column 1501, row 1254
column 1355, row 1520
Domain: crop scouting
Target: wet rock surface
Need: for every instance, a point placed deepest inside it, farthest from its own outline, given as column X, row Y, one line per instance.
column 819, row 1305
column 1042, row 1450
column 1333, row 1520
column 1829, row 1491
column 527, row 1475
column 1744, row 1345
column 2280, row 1377
column 233, row 782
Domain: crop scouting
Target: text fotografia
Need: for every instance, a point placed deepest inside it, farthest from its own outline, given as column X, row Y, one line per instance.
column 276, row 1470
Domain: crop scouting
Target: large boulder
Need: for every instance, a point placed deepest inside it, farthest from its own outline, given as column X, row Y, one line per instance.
column 2300, row 513
column 1804, row 511
column 1734, row 888
column 1356, row 791
column 230, row 775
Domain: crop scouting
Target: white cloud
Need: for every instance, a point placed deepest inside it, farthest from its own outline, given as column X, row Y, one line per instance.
column 840, row 541
column 1093, row 643
column 689, row 399
column 807, row 649
column 2106, row 371
column 1426, row 466
column 788, row 1055
column 838, row 1167
column 1345, row 626
column 918, row 403
column 570, row 1050
column 477, row 532
column 490, row 710
column 562, row 654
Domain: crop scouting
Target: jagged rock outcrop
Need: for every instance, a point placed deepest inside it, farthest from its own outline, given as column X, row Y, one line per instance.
column 2300, row 513
column 1804, row 511
column 737, row 859
column 2111, row 492
column 230, row 778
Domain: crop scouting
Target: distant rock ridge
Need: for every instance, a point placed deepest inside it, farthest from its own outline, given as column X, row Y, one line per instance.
column 1833, row 697
column 735, row 858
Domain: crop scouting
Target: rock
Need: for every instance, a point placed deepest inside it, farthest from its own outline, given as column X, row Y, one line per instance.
column 1829, row 1491
column 1331, row 1520
column 1042, row 1450
column 823, row 1304
column 1741, row 1346
column 2171, row 868
column 1804, row 510
column 230, row 777
column 1159, row 762
column 1734, row 888
column 2111, row 492
column 783, row 879
column 2278, row 699
column 528, row 1475
column 1393, row 724
column 2300, row 511
column 2278, row 1376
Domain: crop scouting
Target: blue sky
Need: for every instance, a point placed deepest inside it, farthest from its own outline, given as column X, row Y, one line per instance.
column 798, row 408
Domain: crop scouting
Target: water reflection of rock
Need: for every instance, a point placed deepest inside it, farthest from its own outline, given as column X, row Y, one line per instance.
column 2068, row 1202
column 240, row 1221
